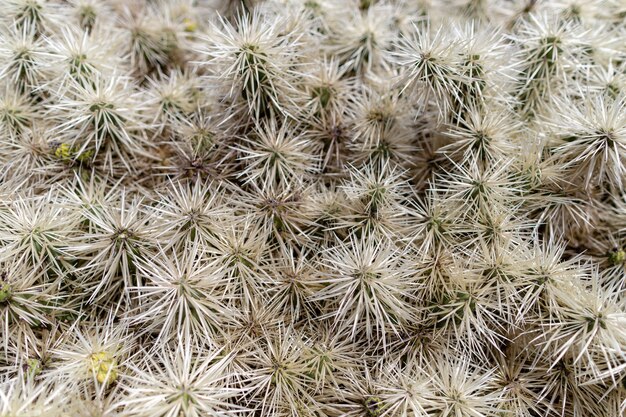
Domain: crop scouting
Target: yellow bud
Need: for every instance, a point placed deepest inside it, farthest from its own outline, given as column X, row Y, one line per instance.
column 104, row 365
column 64, row 151
column 106, row 376
column 190, row 25
column 85, row 156
column 101, row 377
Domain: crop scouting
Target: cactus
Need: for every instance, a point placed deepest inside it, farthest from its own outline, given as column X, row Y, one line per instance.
column 326, row 208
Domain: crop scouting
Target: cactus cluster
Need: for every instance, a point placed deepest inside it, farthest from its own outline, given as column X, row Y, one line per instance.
column 371, row 208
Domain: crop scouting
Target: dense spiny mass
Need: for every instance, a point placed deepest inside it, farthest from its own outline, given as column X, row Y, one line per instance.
column 313, row 208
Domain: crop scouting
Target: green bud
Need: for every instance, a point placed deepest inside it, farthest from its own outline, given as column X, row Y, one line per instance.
column 617, row 257
column 5, row 292
column 33, row 367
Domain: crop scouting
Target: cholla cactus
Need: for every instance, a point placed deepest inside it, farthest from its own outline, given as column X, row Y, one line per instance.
column 374, row 208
